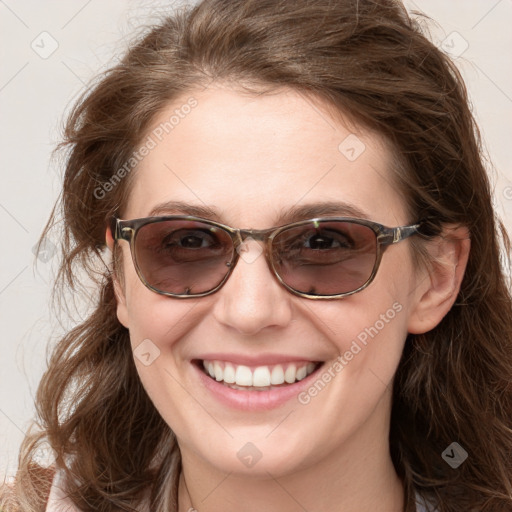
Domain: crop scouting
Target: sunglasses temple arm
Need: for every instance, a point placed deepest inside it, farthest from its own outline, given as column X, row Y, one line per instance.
column 404, row 232
column 394, row 235
column 113, row 228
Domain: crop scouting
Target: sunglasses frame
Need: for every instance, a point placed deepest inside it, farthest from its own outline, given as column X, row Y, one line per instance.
column 385, row 236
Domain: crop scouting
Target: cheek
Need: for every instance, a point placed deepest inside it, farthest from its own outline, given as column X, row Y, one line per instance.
column 369, row 328
column 368, row 333
column 157, row 323
column 156, row 317
column 145, row 313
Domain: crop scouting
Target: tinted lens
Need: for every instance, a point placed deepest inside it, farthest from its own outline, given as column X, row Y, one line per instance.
column 183, row 257
column 325, row 258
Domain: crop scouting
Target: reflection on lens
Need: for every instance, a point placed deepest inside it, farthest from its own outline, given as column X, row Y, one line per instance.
column 325, row 258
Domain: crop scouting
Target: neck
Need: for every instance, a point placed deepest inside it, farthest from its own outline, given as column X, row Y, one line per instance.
column 359, row 475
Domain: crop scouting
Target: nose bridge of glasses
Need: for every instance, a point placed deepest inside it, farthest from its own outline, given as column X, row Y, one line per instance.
column 260, row 235
column 252, row 235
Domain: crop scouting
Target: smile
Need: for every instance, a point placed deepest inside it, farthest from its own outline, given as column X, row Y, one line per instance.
column 259, row 378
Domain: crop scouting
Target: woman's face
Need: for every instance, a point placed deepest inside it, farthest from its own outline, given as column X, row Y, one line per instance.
column 252, row 159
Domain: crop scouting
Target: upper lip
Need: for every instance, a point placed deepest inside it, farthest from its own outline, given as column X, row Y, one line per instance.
column 259, row 360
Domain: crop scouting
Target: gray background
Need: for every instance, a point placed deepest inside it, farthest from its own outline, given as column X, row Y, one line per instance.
column 41, row 75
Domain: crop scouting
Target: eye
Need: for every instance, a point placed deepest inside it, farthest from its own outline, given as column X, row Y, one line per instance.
column 328, row 239
column 324, row 245
column 189, row 239
column 161, row 244
column 188, row 246
column 320, row 240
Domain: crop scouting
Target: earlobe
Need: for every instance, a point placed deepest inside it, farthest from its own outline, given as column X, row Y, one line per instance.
column 109, row 239
column 122, row 310
column 439, row 285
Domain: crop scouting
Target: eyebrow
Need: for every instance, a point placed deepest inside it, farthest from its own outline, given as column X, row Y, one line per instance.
column 293, row 214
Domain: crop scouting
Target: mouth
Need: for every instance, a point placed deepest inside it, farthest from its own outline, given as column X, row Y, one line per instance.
column 257, row 378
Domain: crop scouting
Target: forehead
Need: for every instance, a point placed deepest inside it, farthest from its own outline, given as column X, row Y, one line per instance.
column 249, row 158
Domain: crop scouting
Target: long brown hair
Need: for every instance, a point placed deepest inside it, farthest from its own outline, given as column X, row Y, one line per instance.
column 369, row 60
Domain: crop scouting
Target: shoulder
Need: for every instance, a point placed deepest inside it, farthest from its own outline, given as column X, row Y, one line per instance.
column 424, row 505
column 41, row 480
column 58, row 500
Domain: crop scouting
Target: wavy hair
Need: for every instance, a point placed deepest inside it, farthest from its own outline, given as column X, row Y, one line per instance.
column 371, row 61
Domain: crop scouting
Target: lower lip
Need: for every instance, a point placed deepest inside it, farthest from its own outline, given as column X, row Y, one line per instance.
column 254, row 400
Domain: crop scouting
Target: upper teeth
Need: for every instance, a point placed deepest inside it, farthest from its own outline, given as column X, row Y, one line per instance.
column 261, row 376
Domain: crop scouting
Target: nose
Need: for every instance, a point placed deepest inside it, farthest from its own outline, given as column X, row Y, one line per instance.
column 252, row 299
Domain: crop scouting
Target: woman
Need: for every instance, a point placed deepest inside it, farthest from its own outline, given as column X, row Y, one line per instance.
column 304, row 308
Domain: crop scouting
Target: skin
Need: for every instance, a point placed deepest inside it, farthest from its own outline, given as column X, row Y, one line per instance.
column 253, row 157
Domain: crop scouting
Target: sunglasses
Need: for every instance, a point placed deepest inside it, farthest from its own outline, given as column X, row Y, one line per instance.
column 184, row 256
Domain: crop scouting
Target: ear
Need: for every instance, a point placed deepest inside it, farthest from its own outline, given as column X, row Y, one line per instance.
column 122, row 310
column 439, row 284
